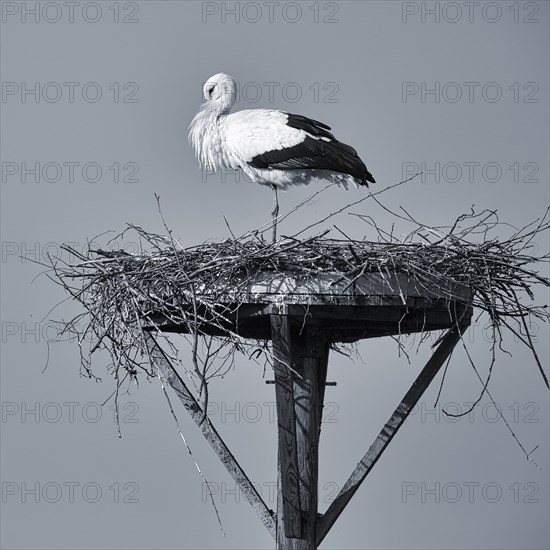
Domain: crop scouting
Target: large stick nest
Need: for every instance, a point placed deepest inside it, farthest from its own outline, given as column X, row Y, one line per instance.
column 119, row 290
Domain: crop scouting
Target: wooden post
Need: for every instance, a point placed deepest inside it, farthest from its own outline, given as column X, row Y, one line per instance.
column 287, row 460
column 301, row 359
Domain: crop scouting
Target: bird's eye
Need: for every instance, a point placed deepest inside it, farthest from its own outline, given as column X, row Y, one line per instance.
column 210, row 90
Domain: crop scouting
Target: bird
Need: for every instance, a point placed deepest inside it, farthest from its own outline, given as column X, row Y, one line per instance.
column 273, row 148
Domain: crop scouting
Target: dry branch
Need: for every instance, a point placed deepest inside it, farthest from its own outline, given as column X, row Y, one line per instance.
column 189, row 286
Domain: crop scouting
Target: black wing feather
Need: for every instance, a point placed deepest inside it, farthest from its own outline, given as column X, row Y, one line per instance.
column 318, row 154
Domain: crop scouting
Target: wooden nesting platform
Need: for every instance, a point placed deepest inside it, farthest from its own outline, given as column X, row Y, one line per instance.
column 376, row 304
column 303, row 316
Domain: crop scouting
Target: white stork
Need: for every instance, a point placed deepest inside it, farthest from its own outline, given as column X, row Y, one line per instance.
column 271, row 147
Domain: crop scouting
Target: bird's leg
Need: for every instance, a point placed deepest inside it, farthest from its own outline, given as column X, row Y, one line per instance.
column 275, row 211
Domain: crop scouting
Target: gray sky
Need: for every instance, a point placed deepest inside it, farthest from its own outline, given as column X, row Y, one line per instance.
column 366, row 69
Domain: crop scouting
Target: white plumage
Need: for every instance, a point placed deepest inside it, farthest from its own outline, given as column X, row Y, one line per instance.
column 272, row 147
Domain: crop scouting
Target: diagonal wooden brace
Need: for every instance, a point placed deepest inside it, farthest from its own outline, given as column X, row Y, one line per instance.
column 445, row 348
column 164, row 366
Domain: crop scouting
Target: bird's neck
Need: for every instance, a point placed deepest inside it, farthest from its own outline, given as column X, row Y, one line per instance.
column 204, row 134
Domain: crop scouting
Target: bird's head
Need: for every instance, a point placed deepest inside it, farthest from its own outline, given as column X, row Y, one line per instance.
column 219, row 93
